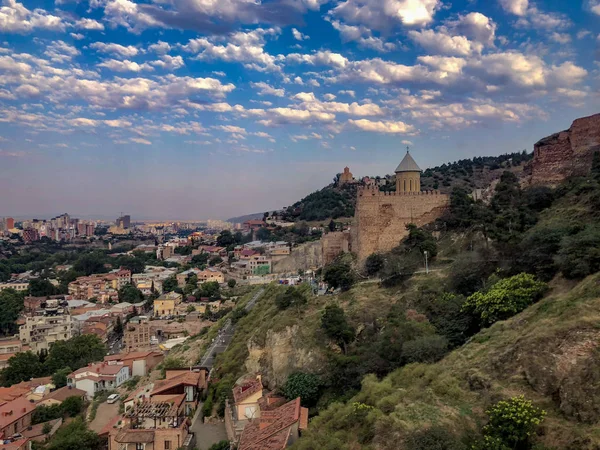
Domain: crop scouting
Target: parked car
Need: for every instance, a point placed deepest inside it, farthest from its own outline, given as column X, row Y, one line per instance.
column 113, row 398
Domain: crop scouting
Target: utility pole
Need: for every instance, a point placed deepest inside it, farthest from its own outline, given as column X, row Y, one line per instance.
column 426, row 263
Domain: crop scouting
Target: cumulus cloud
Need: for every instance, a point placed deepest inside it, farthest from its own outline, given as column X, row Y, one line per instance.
column 140, row 141
column 168, row 62
column 309, row 102
column 282, row 116
column 298, row 35
column 243, row 47
column 388, row 126
column 117, row 65
column 89, row 24
column 160, row 47
column 16, row 18
column 476, row 27
column 594, row 6
column 362, row 36
column 115, row 49
column 266, row 89
column 386, row 14
column 440, row 42
column 516, row 7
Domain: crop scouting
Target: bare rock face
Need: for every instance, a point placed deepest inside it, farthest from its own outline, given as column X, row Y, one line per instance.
column 565, row 154
column 283, row 353
column 303, row 257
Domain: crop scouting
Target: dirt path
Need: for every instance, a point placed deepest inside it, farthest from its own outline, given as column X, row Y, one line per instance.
column 106, row 412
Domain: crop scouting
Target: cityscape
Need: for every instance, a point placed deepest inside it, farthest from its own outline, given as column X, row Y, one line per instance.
column 299, row 225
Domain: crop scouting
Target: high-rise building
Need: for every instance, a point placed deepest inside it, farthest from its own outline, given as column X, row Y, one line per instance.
column 10, row 223
column 30, row 235
column 124, row 221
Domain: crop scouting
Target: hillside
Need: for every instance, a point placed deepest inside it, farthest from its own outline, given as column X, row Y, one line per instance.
column 242, row 219
column 549, row 353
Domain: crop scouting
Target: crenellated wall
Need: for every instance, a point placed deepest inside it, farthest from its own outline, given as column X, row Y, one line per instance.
column 381, row 217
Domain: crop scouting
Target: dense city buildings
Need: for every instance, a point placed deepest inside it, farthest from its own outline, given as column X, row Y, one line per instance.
column 50, row 323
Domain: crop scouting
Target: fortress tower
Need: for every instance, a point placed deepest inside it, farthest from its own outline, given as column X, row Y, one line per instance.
column 381, row 217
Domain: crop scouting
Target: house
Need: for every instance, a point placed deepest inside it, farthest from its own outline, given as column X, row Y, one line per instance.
column 49, row 324
column 22, row 443
column 214, row 251
column 15, row 416
column 210, row 274
column 183, row 381
column 60, row 395
column 253, row 225
column 166, row 303
column 138, row 336
column 158, row 423
column 276, row 428
column 140, row 363
column 98, row 377
column 36, row 433
column 8, row 348
column 246, row 397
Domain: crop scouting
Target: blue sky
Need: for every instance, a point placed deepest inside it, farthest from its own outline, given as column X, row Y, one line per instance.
column 190, row 109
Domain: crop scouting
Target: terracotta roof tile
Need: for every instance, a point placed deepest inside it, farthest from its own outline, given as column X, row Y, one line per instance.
column 60, row 395
column 241, row 393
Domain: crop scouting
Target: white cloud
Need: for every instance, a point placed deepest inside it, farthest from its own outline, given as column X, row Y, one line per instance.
column 362, row 35
column 387, row 126
column 89, row 24
column 242, row 47
column 160, row 47
column 298, row 35
column 516, row 7
column 60, row 51
column 230, row 129
column 115, row 49
column 169, row 62
column 305, row 137
column 386, row 14
column 117, row 65
column 475, row 26
column 325, row 58
column 77, row 36
column 281, row 116
column 266, row 89
column 561, row 38
column 440, row 42
column 329, row 97
column 141, row 141
column 594, row 6
column 309, row 102
column 15, row 18
column 348, row 92
column 406, row 142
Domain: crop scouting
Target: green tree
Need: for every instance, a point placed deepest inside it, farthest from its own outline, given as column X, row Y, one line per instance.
column 513, row 421
column 290, row 297
column 505, row 298
column 221, row 445
column 200, row 260
column 21, row 367
column 215, row 260
column 74, row 436
column 170, row 284
column 579, row 255
column 91, row 263
column 332, row 225
column 374, row 264
column 11, row 305
column 231, row 283
column 425, row 349
column 39, row 287
column 338, row 274
column 336, row 327
column 76, row 352
column 59, row 378
column 420, row 240
column 307, row 386
column 72, row 406
column 129, row 293
column 263, row 234
column 47, row 428
column 225, row 239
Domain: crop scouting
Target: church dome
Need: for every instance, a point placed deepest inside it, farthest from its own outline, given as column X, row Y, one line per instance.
column 407, row 164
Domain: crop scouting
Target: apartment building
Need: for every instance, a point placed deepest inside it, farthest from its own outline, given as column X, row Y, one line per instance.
column 51, row 323
column 8, row 347
column 166, row 304
column 18, row 286
column 98, row 377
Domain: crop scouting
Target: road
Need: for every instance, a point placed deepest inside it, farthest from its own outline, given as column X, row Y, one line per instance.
column 225, row 335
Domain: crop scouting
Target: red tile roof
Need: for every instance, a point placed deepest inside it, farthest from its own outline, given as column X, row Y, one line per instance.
column 266, row 432
column 101, row 369
column 242, row 392
column 14, row 410
column 60, row 395
column 186, row 379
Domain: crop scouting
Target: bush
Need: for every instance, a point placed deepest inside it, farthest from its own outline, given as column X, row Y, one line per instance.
column 426, row 349
column 303, row 385
column 513, row 421
column 434, row 438
column 374, row 264
column 221, row 445
column 336, row 326
column 506, row 298
column 290, row 297
column 338, row 275
column 579, row 255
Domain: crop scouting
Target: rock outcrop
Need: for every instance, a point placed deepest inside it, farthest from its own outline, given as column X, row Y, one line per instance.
column 304, row 257
column 283, row 353
column 565, row 154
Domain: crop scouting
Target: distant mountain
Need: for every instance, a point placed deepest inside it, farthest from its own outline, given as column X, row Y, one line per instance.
column 242, row 219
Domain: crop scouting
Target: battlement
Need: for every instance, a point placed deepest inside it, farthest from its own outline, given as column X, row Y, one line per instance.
column 373, row 191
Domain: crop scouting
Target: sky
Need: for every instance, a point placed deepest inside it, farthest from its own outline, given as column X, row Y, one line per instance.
column 196, row 109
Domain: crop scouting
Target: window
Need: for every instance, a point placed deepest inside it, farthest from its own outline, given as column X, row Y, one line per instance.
column 167, row 445
column 139, row 446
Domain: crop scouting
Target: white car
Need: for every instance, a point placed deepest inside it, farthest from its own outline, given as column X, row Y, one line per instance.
column 113, row 398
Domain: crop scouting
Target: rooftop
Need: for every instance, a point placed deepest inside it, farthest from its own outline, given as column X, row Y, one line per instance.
column 407, row 164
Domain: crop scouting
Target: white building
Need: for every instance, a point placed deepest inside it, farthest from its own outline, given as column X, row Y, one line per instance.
column 99, row 377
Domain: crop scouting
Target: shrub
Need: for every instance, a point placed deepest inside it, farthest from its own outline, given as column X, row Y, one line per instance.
column 374, row 264
column 336, row 326
column 426, row 349
column 303, row 385
column 579, row 255
column 290, row 297
column 338, row 275
column 434, row 438
column 221, row 445
column 506, row 298
column 513, row 421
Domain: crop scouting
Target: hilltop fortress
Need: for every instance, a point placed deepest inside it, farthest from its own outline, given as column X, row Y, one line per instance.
column 381, row 217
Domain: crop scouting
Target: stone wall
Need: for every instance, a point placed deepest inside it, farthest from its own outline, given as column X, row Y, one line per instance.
column 381, row 217
column 565, row 154
column 334, row 244
column 305, row 256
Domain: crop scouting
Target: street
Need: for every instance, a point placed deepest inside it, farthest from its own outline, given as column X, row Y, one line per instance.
column 223, row 338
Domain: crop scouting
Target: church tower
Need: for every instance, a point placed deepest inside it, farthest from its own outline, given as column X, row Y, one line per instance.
column 408, row 175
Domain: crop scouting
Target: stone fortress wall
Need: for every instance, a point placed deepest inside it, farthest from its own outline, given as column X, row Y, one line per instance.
column 381, row 217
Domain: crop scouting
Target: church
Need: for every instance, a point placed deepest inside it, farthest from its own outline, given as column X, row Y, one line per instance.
column 381, row 217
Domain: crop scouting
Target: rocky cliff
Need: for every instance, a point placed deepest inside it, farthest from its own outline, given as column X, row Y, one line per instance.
column 565, row 154
column 303, row 257
column 281, row 354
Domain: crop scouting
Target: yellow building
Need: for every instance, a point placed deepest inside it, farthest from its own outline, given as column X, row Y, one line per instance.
column 166, row 304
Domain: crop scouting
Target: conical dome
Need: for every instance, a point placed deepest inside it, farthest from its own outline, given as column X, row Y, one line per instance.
column 408, row 164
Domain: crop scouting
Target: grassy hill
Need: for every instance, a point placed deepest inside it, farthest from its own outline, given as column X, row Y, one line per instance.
column 549, row 353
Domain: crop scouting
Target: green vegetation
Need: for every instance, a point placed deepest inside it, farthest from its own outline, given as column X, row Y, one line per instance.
column 73, row 353
column 330, row 202
column 74, row 436
column 339, row 273
column 129, row 293
column 11, row 305
column 70, row 407
column 290, row 297
column 303, row 385
column 222, row 445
